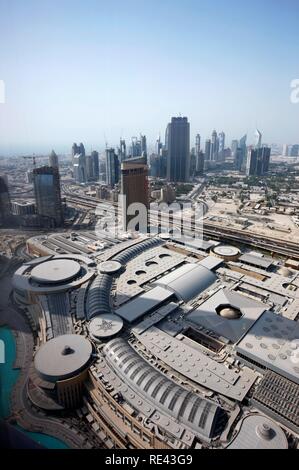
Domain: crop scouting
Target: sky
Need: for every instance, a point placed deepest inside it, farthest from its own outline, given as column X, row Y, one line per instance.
column 92, row 71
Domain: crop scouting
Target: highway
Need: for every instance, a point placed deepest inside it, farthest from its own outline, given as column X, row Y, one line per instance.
column 211, row 230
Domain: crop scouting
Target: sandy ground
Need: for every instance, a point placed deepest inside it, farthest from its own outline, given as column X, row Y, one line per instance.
column 227, row 209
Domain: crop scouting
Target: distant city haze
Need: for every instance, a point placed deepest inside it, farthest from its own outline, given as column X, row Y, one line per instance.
column 94, row 71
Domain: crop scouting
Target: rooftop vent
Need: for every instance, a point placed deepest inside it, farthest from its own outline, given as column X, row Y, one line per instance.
column 229, row 312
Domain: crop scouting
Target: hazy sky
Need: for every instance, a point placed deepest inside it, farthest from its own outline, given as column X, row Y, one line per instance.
column 92, row 70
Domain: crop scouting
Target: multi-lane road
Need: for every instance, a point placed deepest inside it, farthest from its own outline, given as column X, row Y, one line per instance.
column 211, row 230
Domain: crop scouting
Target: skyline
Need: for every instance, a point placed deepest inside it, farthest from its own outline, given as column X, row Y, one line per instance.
column 94, row 72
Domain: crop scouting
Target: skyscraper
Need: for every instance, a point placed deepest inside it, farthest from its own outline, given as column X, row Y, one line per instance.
column 53, row 160
column 89, row 169
column 234, row 147
column 293, row 150
column 258, row 161
column 159, row 146
column 208, row 150
column 285, row 150
column 75, row 151
column 192, row 162
column 112, row 167
column 221, row 146
column 199, row 156
column 46, row 183
column 4, row 201
column 95, row 164
column 134, row 189
column 214, row 146
column 257, row 139
column 79, row 167
column 135, row 148
column 143, row 145
column 177, row 141
column 82, row 149
column 243, row 152
column 238, row 159
column 122, row 151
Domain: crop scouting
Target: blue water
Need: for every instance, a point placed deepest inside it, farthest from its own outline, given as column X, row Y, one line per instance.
column 8, row 377
column 46, row 441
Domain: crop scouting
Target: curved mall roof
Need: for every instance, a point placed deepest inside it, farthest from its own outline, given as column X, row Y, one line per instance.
column 197, row 413
column 188, row 281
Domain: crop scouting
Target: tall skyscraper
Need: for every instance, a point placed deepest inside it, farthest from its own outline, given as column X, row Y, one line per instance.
column 243, row 152
column 135, row 148
column 234, row 147
column 75, row 149
column 89, row 169
column 46, row 183
column 242, row 142
column 134, row 189
column 159, row 146
column 95, row 164
column 214, row 146
column 143, row 145
column 293, row 150
column 177, row 141
column 199, row 156
column 122, row 151
column 79, row 167
column 197, row 143
column 192, row 162
column 285, row 150
column 4, row 201
column 82, row 149
column 208, row 150
column 257, row 139
column 221, row 146
column 53, row 160
column 112, row 168
column 258, row 161
column 238, row 159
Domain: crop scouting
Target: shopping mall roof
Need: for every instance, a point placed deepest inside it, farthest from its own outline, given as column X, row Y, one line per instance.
column 226, row 250
column 209, row 316
column 259, row 432
column 199, row 414
column 259, row 261
column 144, row 303
column 273, row 342
column 55, row 271
column 63, row 357
column 188, row 281
column 105, row 325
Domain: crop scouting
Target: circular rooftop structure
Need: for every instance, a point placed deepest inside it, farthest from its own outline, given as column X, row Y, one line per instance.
column 227, row 252
column 63, row 357
column 55, row 271
column 105, row 326
column 259, row 432
column 110, row 267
